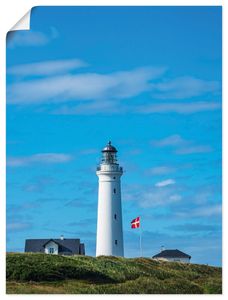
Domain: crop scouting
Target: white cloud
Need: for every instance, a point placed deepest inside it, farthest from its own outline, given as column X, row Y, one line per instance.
column 116, row 107
column 152, row 196
column 203, row 195
column 179, row 108
column 184, row 87
column 86, row 86
column 46, row 158
column 208, row 211
column 175, row 198
column 194, row 149
column 89, row 151
column 38, row 184
column 157, row 197
column 203, row 211
column 18, row 226
column 172, row 140
column 195, row 227
column 182, row 146
column 26, row 38
column 165, row 182
column 101, row 93
column 90, row 108
column 52, row 67
column 161, row 170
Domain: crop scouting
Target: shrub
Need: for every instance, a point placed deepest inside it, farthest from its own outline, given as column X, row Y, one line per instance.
column 84, row 274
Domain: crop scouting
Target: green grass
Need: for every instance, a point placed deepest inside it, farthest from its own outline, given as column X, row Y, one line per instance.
column 30, row 273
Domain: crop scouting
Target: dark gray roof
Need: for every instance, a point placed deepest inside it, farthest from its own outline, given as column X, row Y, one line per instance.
column 172, row 253
column 109, row 148
column 66, row 246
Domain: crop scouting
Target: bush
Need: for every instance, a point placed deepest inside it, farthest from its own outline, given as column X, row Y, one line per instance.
column 84, row 274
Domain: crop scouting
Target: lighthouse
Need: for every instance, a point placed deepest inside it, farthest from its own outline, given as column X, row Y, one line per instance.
column 109, row 215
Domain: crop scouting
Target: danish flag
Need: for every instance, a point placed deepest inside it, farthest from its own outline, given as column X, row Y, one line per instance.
column 135, row 223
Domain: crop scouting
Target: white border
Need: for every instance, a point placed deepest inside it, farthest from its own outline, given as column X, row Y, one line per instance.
column 23, row 23
column 10, row 12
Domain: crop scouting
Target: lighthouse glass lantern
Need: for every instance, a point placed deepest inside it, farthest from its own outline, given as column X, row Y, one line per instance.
column 109, row 154
column 109, row 215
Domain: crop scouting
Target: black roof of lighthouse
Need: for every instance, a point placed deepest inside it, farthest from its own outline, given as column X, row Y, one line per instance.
column 109, row 148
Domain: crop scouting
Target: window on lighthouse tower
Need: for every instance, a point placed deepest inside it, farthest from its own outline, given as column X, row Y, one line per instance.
column 114, row 191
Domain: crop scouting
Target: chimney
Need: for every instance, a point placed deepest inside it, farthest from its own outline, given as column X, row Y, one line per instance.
column 162, row 248
column 61, row 237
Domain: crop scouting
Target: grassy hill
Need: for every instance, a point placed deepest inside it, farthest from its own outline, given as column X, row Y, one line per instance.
column 29, row 273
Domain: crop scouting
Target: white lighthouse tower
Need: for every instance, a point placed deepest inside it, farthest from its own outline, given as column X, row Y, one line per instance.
column 109, row 216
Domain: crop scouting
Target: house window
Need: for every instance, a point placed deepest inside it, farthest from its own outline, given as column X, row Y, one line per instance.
column 115, row 216
column 114, row 191
column 115, row 242
column 51, row 250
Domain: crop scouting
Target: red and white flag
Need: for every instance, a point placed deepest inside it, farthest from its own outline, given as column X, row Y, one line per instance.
column 135, row 223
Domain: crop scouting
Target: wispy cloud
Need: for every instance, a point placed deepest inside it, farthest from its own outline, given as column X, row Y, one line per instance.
column 157, row 197
column 44, row 68
column 194, row 149
column 208, row 211
column 92, row 93
column 38, row 184
column 194, row 227
column 87, row 222
column 153, row 196
column 202, row 211
column 206, row 193
column 112, row 106
column 180, row 107
column 86, row 86
column 89, row 151
column 172, row 140
column 182, row 146
column 81, row 203
column 161, row 170
column 18, row 226
column 165, row 182
column 184, row 87
column 134, row 151
column 44, row 158
column 25, row 38
column 91, row 108
column 15, row 211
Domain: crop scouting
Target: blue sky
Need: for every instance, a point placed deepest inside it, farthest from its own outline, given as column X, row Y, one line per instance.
column 146, row 78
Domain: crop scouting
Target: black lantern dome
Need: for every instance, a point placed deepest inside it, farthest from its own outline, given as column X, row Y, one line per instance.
column 109, row 148
column 109, row 154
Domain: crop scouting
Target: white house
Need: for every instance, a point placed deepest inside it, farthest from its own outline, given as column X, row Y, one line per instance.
column 173, row 255
column 51, row 247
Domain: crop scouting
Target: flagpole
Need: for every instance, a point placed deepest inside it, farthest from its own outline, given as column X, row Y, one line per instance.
column 140, row 238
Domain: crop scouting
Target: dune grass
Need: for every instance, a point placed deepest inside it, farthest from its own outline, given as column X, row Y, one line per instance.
column 31, row 273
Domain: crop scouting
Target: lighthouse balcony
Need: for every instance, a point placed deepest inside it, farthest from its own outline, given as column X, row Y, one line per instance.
column 110, row 167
